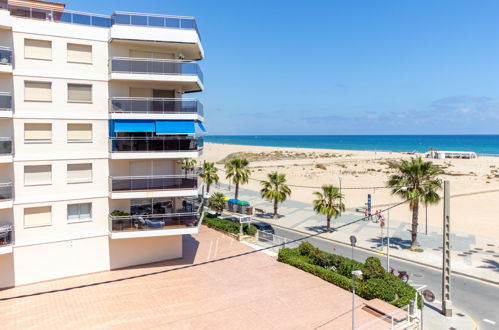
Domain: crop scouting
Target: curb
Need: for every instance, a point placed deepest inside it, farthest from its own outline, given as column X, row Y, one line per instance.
column 476, row 278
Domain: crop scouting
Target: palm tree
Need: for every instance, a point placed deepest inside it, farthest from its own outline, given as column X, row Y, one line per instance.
column 237, row 170
column 417, row 182
column 217, row 202
column 329, row 203
column 188, row 165
column 209, row 175
column 275, row 189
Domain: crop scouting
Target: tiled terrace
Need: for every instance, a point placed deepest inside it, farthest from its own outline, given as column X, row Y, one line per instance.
column 250, row 291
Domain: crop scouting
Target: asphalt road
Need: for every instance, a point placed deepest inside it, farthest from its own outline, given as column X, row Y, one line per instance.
column 476, row 298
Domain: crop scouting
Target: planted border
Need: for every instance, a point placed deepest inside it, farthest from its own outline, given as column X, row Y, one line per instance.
column 227, row 225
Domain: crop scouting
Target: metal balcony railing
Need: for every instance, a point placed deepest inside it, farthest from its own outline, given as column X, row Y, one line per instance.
column 6, row 235
column 105, row 21
column 5, row 56
column 155, row 66
column 5, row 146
column 5, row 101
column 154, row 182
column 155, row 144
column 154, row 105
column 6, row 191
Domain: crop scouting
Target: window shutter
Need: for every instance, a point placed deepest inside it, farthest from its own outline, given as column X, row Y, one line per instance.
column 37, row 91
column 80, row 53
column 37, row 174
column 37, row 216
column 38, row 49
column 37, row 132
column 79, row 93
column 79, row 173
column 79, row 132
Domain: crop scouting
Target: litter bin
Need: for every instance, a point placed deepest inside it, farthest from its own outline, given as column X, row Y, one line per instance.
column 233, row 205
column 226, row 199
column 249, row 211
column 242, row 207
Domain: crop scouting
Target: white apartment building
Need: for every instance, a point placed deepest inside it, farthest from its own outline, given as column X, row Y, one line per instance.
column 94, row 127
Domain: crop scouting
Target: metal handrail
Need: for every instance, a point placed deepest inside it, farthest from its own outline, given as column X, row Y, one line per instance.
column 6, row 48
column 5, row 139
column 155, row 105
column 149, row 138
column 155, row 15
column 174, row 176
column 150, row 59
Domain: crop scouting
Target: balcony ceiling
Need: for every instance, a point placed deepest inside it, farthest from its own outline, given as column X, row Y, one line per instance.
column 191, row 51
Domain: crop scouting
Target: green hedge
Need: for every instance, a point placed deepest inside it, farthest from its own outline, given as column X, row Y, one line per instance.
column 227, row 225
column 377, row 284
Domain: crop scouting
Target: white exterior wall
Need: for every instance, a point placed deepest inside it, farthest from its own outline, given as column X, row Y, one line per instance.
column 64, row 248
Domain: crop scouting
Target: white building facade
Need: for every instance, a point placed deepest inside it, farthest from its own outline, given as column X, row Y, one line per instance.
column 94, row 129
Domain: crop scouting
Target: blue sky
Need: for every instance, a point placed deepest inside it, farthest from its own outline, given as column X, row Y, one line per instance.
column 342, row 67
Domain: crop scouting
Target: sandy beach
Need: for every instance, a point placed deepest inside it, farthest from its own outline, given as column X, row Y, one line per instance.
column 474, row 183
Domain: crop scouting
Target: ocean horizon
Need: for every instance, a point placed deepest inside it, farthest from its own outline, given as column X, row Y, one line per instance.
column 481, row 144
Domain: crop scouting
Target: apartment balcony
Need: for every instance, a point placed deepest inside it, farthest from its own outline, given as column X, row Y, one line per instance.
column 6, row 238
column 5, row 150
column 154, row 108
column 6, row 195
column 5, row 59
column 184, row 75
column 155, row 147
column 128, row 187
column 5, row 20
column 134, row 226
column 178, row 31
column 5, row 105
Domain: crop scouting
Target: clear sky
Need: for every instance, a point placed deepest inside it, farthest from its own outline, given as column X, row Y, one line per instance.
column 342, row 67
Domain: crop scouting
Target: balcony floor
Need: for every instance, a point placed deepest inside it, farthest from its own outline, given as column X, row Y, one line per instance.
column 6, row 204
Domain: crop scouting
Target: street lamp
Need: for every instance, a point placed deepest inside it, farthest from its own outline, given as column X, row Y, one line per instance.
column 388, row 228
column 339, row 177
column 355, row 273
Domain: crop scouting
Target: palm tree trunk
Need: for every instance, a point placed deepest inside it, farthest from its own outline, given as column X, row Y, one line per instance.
column 275, row 208
column 237, row 191
column 414, row 232
column 328, row 223
column 207, row 188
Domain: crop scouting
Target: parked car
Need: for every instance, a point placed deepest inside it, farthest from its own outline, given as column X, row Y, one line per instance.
column 263, row 226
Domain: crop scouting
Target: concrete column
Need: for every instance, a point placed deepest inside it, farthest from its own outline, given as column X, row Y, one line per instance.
column 446, row 299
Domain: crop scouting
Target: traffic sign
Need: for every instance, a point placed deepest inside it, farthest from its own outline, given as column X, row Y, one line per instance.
column 245, row 219
column 428, row 295
column 353, row 240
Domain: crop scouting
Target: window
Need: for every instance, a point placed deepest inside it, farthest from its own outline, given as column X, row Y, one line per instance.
column 77, row 212
column 79, row 132
column 80, row 53
column 78, row 173
column 38, row 91
column 37, row 175
column 79, row 93
column 38, row 49
column 37, row 132
column 37, row 216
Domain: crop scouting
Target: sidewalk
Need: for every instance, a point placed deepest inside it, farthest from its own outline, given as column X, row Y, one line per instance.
column 473, row 255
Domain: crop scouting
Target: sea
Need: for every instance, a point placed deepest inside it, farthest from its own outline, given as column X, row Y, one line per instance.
column 481, row 144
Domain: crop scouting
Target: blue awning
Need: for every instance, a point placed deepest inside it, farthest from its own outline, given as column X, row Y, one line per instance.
column 175, row 127
column 201, row 126
column 134, row 126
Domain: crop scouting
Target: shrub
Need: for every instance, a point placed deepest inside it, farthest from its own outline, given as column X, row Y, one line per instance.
column 373, row 268
column 222, row 224
column 347, row 266
column 306, row 249
column 376, row 288
column 321, row 166
column 250, row 230
column 118, row 213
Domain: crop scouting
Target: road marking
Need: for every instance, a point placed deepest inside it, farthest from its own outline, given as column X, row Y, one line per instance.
column 489, row 321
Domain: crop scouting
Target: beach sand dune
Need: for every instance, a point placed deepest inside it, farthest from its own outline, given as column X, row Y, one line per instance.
column 474, row 183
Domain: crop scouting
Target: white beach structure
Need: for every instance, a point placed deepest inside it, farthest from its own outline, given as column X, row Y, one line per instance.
column 442, row 154
column 93, row 130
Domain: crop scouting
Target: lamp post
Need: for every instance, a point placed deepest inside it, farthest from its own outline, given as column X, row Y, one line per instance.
column 355, row 273
column 339, row 177
column 388, row 229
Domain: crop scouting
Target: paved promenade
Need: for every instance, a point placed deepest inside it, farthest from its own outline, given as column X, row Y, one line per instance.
column 472, row 255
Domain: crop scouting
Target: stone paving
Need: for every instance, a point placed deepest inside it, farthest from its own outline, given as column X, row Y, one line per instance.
column 218, row 284
column 471, row 254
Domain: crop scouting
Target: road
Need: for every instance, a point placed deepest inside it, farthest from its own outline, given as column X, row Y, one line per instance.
column 476, row 298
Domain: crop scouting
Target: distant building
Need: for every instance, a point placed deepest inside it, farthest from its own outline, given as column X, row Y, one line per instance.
column 442, row 154
column 93, row 131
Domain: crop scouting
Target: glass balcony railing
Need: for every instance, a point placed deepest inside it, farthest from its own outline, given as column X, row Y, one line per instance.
column 155, row 182
column 5, row 56
column 165, row 21
column 5, row 146
column 153, row 222
column 105, row 21
column 6, row 235
column 5, row 191
column 155, row 66
column 155, row 144
column 5, row 101
column 153, row 105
